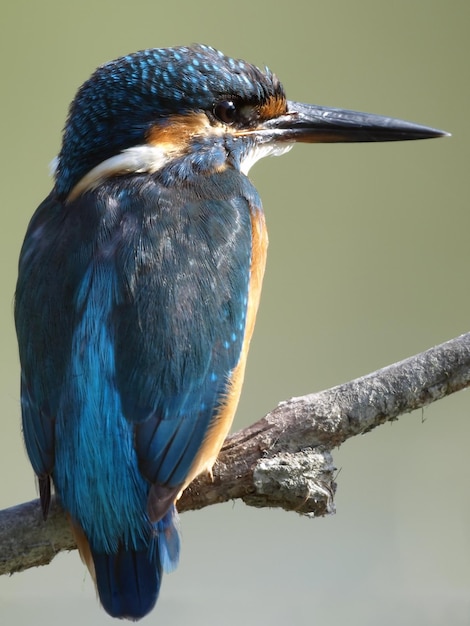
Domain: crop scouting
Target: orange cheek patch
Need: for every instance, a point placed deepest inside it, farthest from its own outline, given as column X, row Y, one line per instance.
column 274, row 107
column 176, row 132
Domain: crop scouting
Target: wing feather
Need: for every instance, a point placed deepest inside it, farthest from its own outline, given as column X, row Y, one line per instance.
column 180, row 263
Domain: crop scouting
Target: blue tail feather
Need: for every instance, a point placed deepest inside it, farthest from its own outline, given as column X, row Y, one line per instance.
column 169, row 540
column 128, row 581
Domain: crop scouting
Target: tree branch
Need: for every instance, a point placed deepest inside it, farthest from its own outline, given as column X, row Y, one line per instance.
column 283, row 460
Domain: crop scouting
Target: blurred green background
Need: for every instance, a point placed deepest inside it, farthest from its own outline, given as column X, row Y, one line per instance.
column 368, row 264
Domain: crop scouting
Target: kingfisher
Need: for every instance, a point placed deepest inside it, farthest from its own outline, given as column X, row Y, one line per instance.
column 139, row 283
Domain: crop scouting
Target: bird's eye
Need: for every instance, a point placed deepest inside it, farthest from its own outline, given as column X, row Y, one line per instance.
column 226, row 111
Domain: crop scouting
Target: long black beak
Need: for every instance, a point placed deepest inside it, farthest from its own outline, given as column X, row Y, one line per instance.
column 315, row 124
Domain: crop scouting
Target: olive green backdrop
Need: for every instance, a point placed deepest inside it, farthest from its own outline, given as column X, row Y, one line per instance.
column 368, row 264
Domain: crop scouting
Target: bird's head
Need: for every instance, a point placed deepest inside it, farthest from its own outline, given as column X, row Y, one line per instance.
column 186, row 110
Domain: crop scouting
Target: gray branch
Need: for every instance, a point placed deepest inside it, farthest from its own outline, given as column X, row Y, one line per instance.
column 283, row 460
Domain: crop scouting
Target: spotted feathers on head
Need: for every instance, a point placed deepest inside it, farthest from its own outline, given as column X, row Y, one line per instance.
column 116, row 106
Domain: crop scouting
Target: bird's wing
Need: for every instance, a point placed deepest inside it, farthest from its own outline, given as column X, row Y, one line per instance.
column 180, row 321
column 45, row 324
column 174, row 268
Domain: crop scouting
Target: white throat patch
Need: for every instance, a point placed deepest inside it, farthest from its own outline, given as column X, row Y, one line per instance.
column 261, row 151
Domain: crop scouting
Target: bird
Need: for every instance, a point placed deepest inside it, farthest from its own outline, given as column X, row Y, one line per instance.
column 138, row 286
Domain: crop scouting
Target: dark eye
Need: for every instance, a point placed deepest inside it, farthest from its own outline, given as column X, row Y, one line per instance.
column 226, row 111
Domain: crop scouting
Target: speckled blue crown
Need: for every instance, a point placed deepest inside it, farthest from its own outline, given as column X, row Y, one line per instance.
column 115, row 107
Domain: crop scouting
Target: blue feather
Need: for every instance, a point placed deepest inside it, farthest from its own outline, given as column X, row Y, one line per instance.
column 134, row 331
column 95, row 438
column 128, row 581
